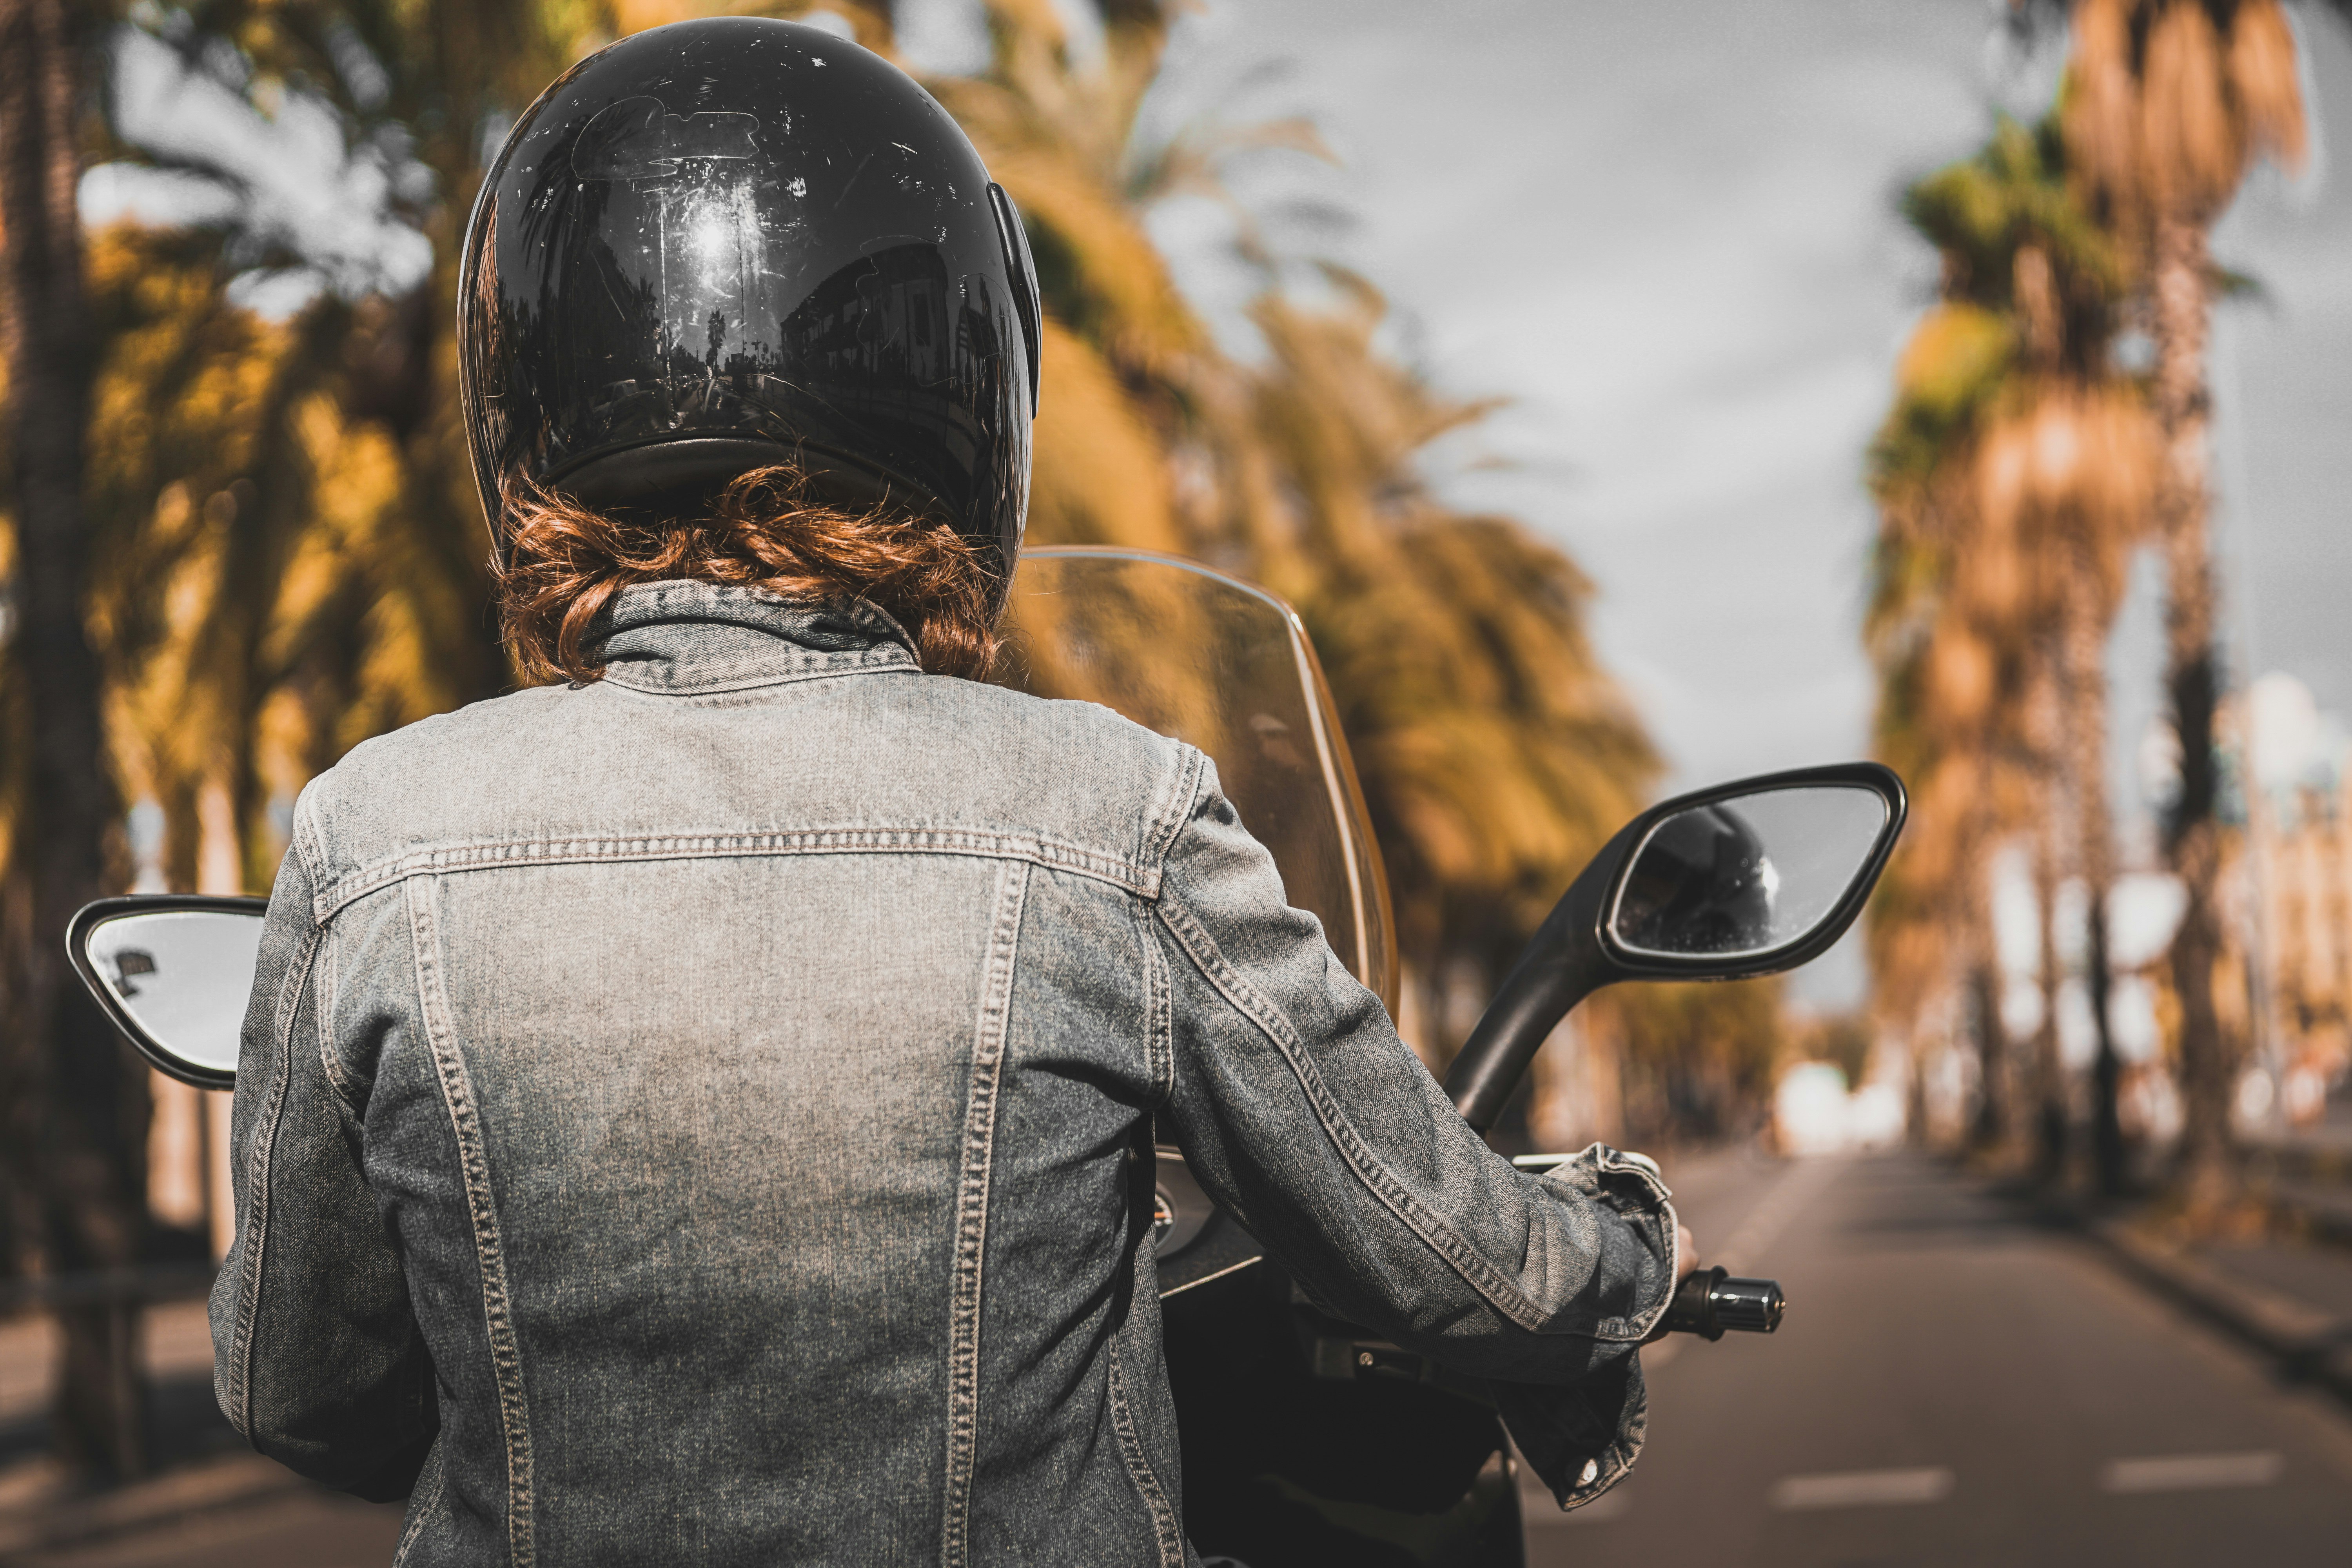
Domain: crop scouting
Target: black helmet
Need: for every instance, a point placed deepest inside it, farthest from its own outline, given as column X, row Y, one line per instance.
column 724, row 244
column 1702, row 884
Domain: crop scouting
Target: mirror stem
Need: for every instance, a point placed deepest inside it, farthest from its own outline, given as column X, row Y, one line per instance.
column 1562, row 965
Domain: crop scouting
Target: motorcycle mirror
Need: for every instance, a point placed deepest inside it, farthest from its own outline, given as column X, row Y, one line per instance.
column 173, row 970
column 1743, row 879
column 1724, row 884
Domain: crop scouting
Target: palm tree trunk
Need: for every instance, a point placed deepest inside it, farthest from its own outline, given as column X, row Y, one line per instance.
column 2044, row 725
column 1990, row 1131
column 2050, row 1118
column 2208, row 1058
column 2085, row 677
column 1980, row 972
column 78, row 1106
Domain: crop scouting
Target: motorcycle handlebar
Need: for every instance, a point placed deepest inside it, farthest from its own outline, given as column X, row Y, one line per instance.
column 1713, row 1301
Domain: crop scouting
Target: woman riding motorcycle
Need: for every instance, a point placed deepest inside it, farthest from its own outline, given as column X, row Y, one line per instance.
column 692, row 1109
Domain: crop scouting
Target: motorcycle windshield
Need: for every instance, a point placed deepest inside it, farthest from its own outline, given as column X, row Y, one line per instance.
column 1226, row 666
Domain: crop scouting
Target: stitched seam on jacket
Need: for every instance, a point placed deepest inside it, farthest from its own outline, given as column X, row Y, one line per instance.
column 323, row 1000
column 306, row 848
column 424, row 1510
column 1191, row 768
column 1159, row 1009
column 238, row 1406
column 1167, row 1534
column 988, row 1032
column 473, row 1159
column 495, row 855
column 1482, row 1277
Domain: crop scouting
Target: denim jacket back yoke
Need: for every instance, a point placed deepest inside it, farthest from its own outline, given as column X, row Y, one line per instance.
column 688, row 1118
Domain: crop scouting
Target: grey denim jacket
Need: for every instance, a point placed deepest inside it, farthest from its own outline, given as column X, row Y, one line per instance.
column 688, row 1119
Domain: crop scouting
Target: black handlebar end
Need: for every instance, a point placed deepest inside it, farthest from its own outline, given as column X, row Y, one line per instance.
column 1713, row 1301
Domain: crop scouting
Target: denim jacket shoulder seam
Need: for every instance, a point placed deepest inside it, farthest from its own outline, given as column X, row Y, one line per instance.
column 1434, row 1234
column 1173, row 808
column 304, row 836
column 496, row 854
column 322, row 1000
column 489, row 1251
column 237, row 1405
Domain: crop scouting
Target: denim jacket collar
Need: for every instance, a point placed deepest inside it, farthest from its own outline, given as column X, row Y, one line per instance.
column 682, row 637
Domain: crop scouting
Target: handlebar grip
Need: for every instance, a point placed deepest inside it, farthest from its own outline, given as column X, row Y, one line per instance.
column 1711, row 1301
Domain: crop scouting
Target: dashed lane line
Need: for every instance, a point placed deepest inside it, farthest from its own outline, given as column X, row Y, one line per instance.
column 2190, row 1472
column 1795, row 1192
column 1933, row 1483
column 1862, row 1488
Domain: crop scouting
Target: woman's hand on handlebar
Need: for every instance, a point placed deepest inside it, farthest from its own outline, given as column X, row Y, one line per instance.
column 1685, row 1265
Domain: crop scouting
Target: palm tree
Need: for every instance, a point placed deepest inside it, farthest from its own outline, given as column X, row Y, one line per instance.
column 2167, row 104
column 2011, row 479
column 75, row 1104
column 304, row 492
column 1496, row 757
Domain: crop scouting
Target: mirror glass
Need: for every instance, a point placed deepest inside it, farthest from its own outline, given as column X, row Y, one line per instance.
column 1747, row 874
column 183, row 976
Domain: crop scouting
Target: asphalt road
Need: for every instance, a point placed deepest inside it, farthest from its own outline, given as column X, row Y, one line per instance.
column 1953, row 1385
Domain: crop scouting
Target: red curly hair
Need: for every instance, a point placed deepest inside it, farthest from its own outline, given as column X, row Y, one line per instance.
column 565, row 562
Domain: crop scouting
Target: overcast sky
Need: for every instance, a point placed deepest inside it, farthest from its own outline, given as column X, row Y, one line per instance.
column 1666, row 231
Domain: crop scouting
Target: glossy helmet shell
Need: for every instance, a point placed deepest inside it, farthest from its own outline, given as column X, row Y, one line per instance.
column 724, row 244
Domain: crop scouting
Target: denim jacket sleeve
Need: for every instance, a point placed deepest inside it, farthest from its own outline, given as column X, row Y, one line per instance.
column 1304, row 1115
column 317, row 1358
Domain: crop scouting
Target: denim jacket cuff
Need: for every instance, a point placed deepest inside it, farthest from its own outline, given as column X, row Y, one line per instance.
column 1583, row 1438
column 1580, row 1440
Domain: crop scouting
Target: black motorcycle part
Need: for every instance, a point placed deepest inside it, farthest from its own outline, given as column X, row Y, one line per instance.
column 1713, row 1301
column 734, row 242
column 1378, row 1466
column 1194, row 1240
column 100, row 911
column 1571, row 956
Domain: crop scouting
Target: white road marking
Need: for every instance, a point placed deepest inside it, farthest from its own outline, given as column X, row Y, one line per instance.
column 2190, row 1472
column 1795, row 1190
column 1862, row 1488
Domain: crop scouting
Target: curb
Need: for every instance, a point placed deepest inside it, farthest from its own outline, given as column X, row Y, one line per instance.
column 218, row 1483
column 2324, row 1209
column 2310, row 1345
